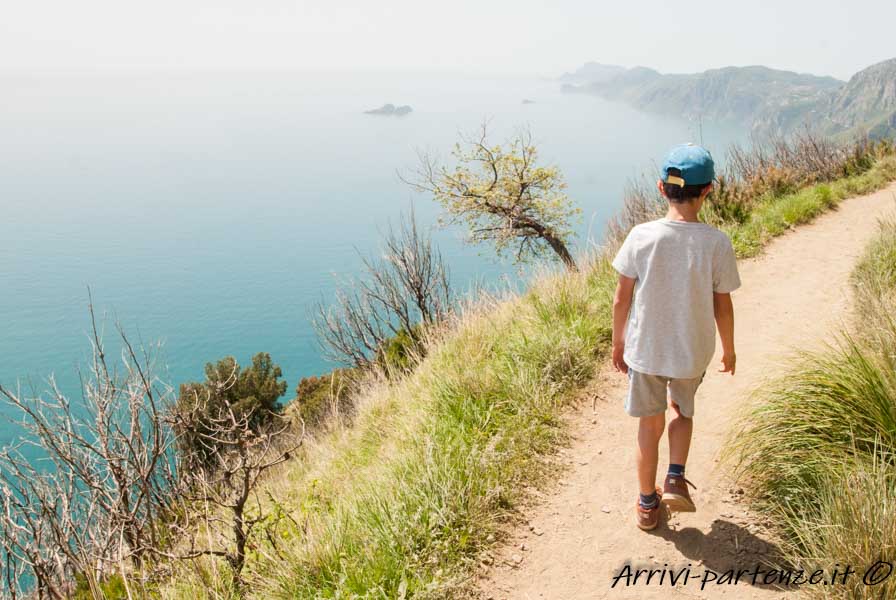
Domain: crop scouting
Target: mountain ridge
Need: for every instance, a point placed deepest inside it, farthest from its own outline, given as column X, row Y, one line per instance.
column 768, row 101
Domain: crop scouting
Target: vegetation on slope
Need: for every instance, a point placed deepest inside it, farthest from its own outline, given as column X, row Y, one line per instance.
column 403, row 501
column 819, row 445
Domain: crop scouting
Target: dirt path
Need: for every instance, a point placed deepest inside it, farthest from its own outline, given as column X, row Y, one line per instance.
column 583, row 533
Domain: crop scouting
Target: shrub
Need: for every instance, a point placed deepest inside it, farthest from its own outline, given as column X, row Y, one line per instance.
column 400, row 352
column 318, row 397
column 401, row 295
column 252, row 393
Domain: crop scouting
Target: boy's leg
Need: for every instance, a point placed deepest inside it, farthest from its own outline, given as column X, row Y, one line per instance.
column 681, row 427
column 647, row 510
column 680, row 430
column 646, row 400
column 650, row 430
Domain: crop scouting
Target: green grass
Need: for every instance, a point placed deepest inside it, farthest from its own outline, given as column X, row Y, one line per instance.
column 486, row 405
column 854, row 524
column 874, row 278
column 402, row 501
column 818, row 446
column 774, row 215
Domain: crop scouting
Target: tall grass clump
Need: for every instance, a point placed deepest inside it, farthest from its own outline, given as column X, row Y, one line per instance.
column 874, row 282
column 854, row 524
column 819, row 446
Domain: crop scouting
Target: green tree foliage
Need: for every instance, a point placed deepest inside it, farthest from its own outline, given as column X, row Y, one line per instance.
column 397, row 354
column 502, row 195
column 253, row 392
column 317, row 396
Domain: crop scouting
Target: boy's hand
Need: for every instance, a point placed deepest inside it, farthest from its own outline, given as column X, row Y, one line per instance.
column 618, row 361
column 728, row 363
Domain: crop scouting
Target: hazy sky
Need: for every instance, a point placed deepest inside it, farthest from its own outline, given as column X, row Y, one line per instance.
column 515, row 36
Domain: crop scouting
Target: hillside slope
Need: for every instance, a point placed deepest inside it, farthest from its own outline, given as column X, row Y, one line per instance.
column 867, row 100
column 409, row 494
column 583, row 535
column 768, row 101
column 730, row 94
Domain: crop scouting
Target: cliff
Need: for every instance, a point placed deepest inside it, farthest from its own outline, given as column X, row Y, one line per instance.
column 768, row 101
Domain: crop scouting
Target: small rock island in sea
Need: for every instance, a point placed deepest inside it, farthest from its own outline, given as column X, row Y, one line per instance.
column 390, row 110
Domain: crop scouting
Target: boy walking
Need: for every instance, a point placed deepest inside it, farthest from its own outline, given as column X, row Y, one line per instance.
column 676, row 275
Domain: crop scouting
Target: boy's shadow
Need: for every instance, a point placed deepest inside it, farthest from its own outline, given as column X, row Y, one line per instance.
column 727, row 546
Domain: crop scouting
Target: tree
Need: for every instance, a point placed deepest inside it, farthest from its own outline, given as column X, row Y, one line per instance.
column 252, row 394
column 400, row 295
column 230, row 454
column 92, row 491
column 87, row 489
column 502, row 196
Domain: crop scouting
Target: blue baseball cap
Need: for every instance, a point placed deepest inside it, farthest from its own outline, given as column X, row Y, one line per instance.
column 694, row 162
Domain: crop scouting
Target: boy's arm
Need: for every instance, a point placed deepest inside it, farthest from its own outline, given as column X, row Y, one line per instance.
column 622, row 302
column 724, row 312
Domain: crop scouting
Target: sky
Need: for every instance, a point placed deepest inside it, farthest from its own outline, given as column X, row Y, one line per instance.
column 543, row 38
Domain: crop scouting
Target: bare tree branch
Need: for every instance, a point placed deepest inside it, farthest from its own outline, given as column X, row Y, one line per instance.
column 87, row 489
column 403, row 292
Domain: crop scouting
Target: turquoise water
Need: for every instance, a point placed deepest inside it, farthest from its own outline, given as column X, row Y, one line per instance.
column 208, row 212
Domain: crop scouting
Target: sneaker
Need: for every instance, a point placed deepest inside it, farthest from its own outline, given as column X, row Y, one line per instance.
column 649, row 517
column 676, row 495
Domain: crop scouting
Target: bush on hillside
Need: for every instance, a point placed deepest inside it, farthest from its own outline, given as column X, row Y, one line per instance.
column 113, row 587
column 399, row 353
column 318, row 397
column 87, row 484
column 252, row 392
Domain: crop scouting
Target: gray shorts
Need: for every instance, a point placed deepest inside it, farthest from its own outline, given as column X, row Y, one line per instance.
column 647, row 394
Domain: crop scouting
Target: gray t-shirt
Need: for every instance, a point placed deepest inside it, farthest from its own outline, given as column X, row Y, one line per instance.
column 677, row 266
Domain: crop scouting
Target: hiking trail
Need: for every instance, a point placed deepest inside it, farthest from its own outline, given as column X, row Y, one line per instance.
column 580, row 533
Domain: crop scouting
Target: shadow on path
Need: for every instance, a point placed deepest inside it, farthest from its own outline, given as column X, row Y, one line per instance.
column 726, row 547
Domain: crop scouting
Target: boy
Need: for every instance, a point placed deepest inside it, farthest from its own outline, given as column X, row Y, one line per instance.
column 681, row 273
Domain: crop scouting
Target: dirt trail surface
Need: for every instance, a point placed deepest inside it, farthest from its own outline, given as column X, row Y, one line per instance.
column 582, row 533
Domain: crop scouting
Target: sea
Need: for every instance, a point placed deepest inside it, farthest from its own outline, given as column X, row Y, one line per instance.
column 208, row 213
